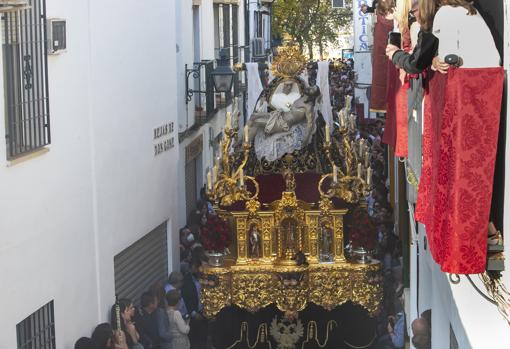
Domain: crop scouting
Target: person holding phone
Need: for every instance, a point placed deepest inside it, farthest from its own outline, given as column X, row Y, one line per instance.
column 427, row 45
column 179, row 327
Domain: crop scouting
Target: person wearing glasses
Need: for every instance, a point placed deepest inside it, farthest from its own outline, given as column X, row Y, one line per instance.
column 427, row 44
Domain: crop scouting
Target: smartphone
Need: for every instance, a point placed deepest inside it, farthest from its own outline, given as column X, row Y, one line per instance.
column 395, row 38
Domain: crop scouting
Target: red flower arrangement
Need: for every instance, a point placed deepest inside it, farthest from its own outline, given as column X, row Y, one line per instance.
column 215, row 234
column 363, row 230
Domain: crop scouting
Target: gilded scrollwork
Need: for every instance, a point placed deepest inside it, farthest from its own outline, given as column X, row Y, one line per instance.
column 252, row 291
column 291, row 287
column 218, row 294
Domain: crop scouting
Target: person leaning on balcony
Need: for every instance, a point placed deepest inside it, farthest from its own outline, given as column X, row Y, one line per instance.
column 427, row 45
column 462, row 31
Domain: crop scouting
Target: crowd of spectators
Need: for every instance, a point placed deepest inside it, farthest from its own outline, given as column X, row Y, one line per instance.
column 170, row 313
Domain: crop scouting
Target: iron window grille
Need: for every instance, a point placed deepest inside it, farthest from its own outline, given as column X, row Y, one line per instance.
column 24, row 46
column 38, row 330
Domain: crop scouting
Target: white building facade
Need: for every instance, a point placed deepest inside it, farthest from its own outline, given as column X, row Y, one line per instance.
column 461, row 317
column 107, row 179
column 203, row 28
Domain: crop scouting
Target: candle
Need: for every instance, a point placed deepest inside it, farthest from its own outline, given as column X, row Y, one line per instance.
column 228, row 122
column 246, row 134
column 359, row 170
column 366, row 158
column 241, row 178
column 326, row 130
column 341, row 117
column 335, row 174
column 209, row 180
column 215, row 174
column 369, row 176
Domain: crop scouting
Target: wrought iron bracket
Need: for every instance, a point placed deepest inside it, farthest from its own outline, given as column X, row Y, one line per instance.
column 195, row 72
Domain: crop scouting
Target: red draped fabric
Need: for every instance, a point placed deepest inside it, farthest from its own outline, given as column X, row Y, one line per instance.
column 380, row 64
column 459, row 152
column 401, row 116
column 395, row 129
column 390, row 126
column 272, row 185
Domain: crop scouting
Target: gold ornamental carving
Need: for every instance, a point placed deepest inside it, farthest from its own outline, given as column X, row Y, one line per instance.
column 289, row 62
column 251, row 291
column 253, row 287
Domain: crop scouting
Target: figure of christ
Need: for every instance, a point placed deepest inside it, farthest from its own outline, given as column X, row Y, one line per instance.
column 326, row 239
column 290, row 238
column 278, row 121
column 283, row 100
column 254, row 242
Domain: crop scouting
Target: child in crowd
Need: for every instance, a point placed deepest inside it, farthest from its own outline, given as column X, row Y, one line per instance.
column 179, row 328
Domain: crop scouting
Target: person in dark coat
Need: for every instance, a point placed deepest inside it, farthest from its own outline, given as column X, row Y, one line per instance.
column 191, row 291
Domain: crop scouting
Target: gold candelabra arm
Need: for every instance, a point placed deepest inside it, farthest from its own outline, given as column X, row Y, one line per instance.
column 348, row 188
column 230, row 133
column 347, row 151
column 245, row 191
column 325, row 194
column 329, row 156
column 246, row 156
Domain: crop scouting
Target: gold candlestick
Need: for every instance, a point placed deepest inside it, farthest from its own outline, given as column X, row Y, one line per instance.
column 246, row 134
column 228, row 122
column 209, row 181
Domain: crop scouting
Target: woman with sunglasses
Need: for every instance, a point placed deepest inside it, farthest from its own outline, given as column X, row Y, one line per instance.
column 426, row 46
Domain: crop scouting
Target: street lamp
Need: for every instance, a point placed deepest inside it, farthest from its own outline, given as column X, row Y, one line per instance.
column 223, row 76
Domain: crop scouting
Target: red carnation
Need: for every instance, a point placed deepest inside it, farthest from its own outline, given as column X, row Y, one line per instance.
column 215, row 234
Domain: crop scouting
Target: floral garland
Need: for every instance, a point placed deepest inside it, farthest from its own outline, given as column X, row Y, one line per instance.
column 215, row 234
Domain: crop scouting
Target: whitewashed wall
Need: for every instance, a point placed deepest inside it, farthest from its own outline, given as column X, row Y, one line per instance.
column 218, row 121
column 65, row 214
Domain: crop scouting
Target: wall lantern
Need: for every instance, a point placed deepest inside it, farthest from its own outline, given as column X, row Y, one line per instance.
column 223, row 76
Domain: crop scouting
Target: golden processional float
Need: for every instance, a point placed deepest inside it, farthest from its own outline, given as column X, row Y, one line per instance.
column 314, row 177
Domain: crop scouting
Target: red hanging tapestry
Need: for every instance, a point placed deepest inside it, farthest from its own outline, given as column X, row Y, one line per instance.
column 396, row 128
column 380, row 64
column 390, row 126
column 459, row 152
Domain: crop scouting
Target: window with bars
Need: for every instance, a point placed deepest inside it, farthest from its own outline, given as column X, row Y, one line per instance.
column 38, row 330
column 25, row 69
